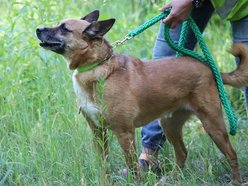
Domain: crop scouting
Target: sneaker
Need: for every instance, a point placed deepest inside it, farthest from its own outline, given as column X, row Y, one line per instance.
column 149, row 163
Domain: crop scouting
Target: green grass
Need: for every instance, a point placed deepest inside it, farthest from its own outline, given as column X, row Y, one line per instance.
column 44, row 141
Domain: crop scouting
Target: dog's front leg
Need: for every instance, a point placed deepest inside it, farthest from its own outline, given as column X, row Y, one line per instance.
column 100, row 140
column 126, row 138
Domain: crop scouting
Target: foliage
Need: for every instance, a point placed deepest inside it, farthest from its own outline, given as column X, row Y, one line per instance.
column 43, row 139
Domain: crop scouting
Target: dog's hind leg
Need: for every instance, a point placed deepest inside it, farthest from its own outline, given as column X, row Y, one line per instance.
column 172, row 126
column 210, row 114
column 215, row 127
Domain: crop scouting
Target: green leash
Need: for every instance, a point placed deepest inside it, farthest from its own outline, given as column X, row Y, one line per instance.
column 206, row 58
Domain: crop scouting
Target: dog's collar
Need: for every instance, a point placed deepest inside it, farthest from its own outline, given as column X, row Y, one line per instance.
column 88, row 67
column 92, row 66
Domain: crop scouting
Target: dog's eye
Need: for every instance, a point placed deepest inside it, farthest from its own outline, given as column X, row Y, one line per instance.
column 63, row 28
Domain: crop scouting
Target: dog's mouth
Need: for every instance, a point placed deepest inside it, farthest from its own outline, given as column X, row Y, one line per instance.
column 48, row 44
column 55, row 46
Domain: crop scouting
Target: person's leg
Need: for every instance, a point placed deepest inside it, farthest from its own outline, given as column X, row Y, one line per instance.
column 152, row 134
column 240, row 34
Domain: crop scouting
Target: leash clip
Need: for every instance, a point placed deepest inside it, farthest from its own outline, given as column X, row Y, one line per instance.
column 120, row 42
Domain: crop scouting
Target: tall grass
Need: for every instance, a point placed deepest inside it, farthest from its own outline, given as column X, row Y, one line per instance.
column 44, row 141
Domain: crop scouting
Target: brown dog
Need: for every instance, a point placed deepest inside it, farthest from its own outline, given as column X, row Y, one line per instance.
column 136, row 93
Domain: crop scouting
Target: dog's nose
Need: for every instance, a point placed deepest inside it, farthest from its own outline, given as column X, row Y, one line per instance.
column 39, row 30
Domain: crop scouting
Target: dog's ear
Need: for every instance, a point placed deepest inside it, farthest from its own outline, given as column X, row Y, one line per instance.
column 92, row 16
column 97, row 29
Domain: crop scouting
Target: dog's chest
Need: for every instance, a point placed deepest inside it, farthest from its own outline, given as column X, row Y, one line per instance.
column 85, row 103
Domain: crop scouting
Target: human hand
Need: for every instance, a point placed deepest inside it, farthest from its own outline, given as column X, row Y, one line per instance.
column 180, row 10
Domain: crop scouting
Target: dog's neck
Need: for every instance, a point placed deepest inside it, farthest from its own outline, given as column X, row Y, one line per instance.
column 97, row 51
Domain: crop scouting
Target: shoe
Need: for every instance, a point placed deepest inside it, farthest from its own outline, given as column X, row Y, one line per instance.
column 149, row 163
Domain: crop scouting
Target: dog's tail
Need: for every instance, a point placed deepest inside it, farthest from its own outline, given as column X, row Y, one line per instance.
column 239, row 77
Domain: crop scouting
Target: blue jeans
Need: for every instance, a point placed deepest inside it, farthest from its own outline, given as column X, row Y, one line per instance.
column 152, row 134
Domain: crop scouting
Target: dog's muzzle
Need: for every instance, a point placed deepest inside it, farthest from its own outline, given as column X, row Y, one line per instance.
column 49, row 41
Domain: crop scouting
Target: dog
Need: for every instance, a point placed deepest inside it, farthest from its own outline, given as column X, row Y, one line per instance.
column 137, row 92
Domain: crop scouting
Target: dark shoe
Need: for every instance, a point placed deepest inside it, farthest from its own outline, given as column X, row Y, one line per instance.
column 148, row 165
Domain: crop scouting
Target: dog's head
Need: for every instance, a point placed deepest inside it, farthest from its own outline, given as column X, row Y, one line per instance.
column 73, row 37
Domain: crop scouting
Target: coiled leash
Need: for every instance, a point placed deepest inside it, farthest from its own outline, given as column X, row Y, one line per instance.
column 206, row 58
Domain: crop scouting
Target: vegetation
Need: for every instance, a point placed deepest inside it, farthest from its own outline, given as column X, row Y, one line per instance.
column 44, row 141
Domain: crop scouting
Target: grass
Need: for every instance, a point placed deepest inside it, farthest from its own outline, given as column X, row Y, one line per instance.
column 44, row 141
